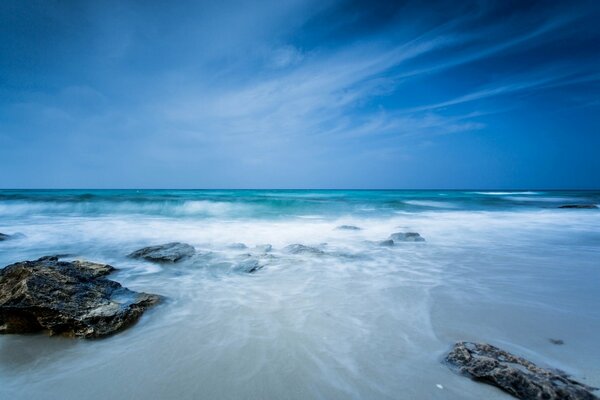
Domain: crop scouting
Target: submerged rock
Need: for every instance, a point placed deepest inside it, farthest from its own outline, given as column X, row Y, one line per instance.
column 169, row 252
column 406, row 237
column 67, row 298
column 578, row 206
column 4, row 236
column 248, row 266
column 238, row 246
column 386, row 243
column 514, row 375
column 265, row 248
column 348, row 228
column 302, row 249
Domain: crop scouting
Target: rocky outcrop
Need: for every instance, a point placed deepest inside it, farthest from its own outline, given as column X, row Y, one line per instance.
column 588, row 206
column 406, row 237
column 302, row 249
column 165, row 253
column 348, row 228
column 67, row 298
column 515, row 375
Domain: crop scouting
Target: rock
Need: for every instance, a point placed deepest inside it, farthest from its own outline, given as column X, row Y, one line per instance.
column 406, row 237
column 238, row 246
column 265, row 248
column 4, row 236
column 556, row 341
column 514, row 375
column 67, row 298
column 348, row 228
column 169, row 252
column 302, row 249
column 578, row 206
column 248, row 266
column 386, row 243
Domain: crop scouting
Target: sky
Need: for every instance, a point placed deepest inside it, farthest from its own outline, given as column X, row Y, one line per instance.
column 300, row 94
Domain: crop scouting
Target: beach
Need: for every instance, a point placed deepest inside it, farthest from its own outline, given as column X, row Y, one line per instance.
column 346, row 315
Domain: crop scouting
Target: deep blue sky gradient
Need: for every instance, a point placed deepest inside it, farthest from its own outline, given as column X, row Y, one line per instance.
column 299, row 94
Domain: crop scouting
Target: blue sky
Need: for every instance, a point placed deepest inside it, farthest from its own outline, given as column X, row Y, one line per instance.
column 299, row 94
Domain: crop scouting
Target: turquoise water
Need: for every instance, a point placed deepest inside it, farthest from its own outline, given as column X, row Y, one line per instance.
column 360, row 321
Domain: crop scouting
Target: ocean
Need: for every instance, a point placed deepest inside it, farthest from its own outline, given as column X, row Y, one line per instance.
column 353, row 320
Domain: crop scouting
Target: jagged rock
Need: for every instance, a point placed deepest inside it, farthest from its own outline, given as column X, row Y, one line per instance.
column 302, row 249
column 169, row 252
column 67, row 298
column 386, row 243
column 406, row 237
column 515, row 375
column 578, row 206
column 348, row 228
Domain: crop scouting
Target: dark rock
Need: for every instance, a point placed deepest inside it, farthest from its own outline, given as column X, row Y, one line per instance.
column 406, row 237
column 578, row 206
column 514, row 375
column 67, row 298
column 302, row 249
column 348, row 228
column 386, row 243
column 248, row 266
column 4, row 236
column 556, row 341
column 169, row 252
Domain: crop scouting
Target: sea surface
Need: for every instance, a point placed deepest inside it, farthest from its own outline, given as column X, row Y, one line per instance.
column 359, row 321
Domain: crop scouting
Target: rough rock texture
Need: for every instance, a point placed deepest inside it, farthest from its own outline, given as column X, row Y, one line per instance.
column 67, row 298
column 578, row 206
column 348, row 228
column 406, row 237
column 302, row 249
column 515, row 375
column 167, row 253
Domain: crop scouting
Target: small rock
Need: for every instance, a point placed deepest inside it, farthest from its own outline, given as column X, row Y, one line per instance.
column 169, row 252
column 302, row 249
column 67, row 298
column 515, row 375
column 578, row 206
column 265, row 248
column 238, row 246
column 348, row 228
column 386, row 243
column 406, row 237
column 556, row 341
column 4, row 236
column 248, row 266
